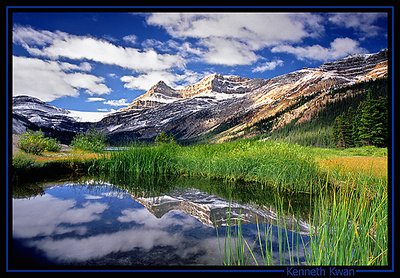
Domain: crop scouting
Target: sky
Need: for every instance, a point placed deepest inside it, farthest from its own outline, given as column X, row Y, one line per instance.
column 101, row 61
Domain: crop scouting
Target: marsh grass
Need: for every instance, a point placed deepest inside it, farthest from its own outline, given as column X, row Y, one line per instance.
column 283, row 166
column 351, row 226
column 348, row 227
column 139, row 161
column 275, row 243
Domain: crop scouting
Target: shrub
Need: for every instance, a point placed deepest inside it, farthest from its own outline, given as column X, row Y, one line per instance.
column 52, row 145
column 92, row 140
column 32, row 142
column 35, row 142
column 22, row 161
column 164, row 138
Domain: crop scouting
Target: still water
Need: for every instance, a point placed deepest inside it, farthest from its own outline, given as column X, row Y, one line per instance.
column 100, row 224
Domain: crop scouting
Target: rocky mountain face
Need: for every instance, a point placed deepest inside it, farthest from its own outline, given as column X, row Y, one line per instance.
column 32, row 113
column 214, row 86
column 220, row 107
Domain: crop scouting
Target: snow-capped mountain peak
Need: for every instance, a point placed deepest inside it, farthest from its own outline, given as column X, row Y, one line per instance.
column 218, row 106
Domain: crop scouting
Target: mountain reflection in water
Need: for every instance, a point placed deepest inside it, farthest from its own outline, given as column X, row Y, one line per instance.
column 101, row 224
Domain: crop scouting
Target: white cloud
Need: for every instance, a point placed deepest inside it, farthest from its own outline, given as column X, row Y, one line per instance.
column 112, row 75
column 258, row 28
column 94, row 99
column 145, row 232
column 84, row 66
column 28, row 36
column 242, row 34
column 86, row 248
column 228, row 52
column 58, row 44
column 47, row 81
column 147, row 80
column 37, row 78
column 339, row 48
column 29, row 221
column 364, row 23
column 268, row 66
column 109, row 38
column 153, row 44
column 117, row 102
column 102, row 109
column 92, row 197
column 93, row 84
column 184, row 49
column 130, row 39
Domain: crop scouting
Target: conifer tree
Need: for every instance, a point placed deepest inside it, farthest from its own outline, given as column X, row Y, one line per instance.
column 373, row 123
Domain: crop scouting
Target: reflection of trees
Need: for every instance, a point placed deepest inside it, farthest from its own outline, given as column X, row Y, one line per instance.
column 154, row 186
column 27, row 191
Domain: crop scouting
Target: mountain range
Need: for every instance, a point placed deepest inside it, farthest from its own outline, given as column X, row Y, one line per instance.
column 217, row 108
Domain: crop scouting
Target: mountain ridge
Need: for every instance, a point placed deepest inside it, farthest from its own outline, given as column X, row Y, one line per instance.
column 224, row 107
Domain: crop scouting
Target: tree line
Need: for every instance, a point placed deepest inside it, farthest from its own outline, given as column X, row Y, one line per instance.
column 367, row 125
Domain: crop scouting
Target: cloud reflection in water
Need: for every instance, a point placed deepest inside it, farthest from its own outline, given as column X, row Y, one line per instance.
column 70, row 230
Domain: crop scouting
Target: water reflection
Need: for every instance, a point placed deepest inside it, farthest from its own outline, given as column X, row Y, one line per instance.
column 100, row 224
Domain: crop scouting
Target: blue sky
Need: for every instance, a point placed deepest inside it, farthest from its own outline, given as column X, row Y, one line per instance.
column 100, row 62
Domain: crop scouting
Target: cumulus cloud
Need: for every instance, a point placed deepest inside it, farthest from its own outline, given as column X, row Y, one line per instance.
column 339, row 48
column 258, row 28
column 47, row 81
column 93, row 84
column 25, row 36
column 364, row 23
column 228, row 52
column 268, row 66
column 147, row 80
column 58, row 44
column 232, row 39
column 117, row 102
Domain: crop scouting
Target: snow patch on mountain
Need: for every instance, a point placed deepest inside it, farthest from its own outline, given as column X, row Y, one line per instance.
column 84, row 116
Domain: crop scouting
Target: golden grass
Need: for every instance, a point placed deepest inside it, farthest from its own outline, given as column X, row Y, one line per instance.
column 48, row 157
column 375, row 166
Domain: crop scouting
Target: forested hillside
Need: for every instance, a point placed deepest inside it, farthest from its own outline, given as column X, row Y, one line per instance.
column 358, row 118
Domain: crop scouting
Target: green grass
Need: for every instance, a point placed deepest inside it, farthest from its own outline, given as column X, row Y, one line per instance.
column 28, row 167
column 22, row 161
column 288, row 167
column 349, row 228
column 281, row 165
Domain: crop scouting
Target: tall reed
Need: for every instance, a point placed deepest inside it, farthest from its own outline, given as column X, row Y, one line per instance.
column 348, row 227
column 284, row 166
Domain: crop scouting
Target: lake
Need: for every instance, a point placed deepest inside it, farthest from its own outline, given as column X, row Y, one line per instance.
column 151, row 223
